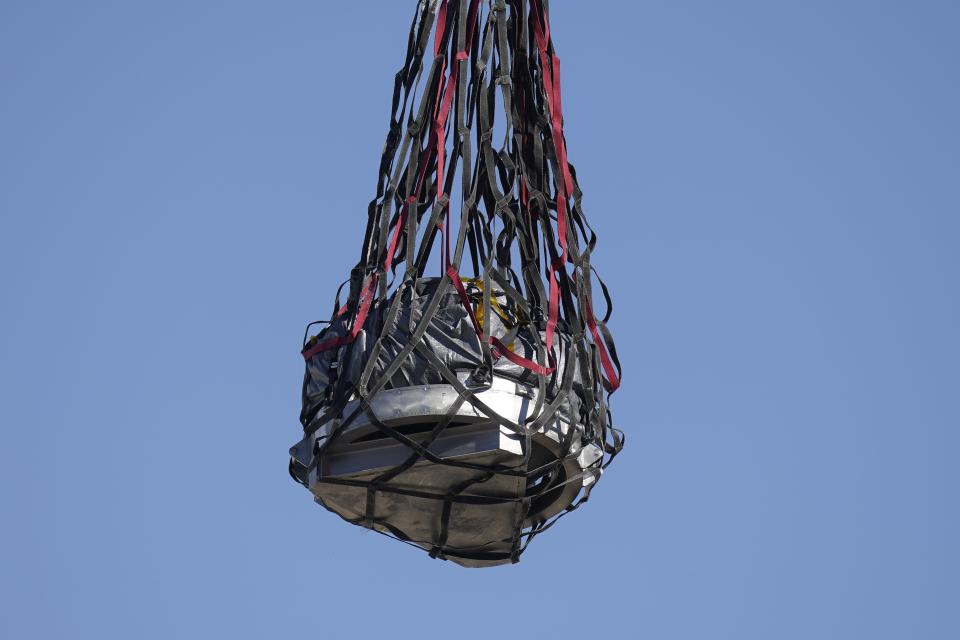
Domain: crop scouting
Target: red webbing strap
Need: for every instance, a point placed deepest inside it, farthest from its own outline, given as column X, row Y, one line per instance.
column 554, row 308
column 551, row 68
column 551, row 79
column 464, row 298
column 421, row 175
column 366, row 298
column 612, row 382
column 500, row 349
column 444, row 101
column 432, row 141
column 326, row 344
column 401, row 221
column 444, row 98
column 366, row 295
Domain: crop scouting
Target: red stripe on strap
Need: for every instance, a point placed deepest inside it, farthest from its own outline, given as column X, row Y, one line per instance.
column 442, row 105
column 366, row 298
column 612, row 383
column 551, row 79
column 500, row 349
column 503, row 350
column 325, row 345
column 554, row 308
column 464, row 298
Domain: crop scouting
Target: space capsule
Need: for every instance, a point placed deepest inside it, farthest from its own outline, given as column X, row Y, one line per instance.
column 458, row 400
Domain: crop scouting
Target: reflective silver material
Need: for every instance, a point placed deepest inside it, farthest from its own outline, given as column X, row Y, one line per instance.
column 361, row 452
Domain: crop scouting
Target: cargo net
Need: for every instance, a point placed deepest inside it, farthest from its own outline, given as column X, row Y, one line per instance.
column 495, row 334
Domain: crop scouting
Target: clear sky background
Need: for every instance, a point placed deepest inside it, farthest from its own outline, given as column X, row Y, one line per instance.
column 776, row 188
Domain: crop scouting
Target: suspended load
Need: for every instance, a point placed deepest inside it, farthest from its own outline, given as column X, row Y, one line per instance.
column 458, row 399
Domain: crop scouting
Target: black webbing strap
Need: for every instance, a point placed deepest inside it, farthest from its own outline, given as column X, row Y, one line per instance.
column 516, row 213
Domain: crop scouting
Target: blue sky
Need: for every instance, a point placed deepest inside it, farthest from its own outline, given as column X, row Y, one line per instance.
column 775, row 187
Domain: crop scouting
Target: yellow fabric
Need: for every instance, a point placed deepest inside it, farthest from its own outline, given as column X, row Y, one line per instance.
column 494, row 304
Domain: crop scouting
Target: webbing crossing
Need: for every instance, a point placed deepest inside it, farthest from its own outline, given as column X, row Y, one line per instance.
column 516, row 216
